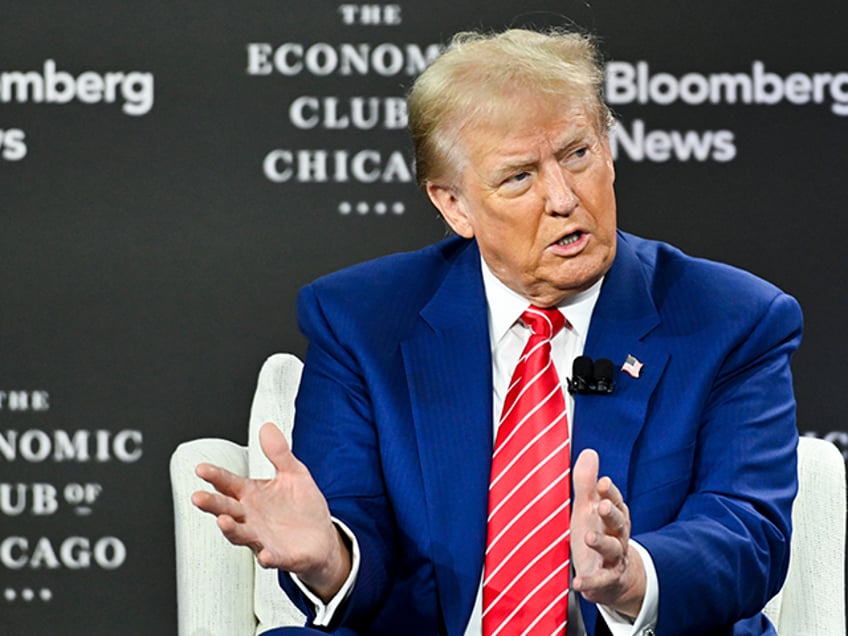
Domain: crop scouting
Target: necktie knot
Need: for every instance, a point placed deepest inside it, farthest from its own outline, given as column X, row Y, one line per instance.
column 544, row 322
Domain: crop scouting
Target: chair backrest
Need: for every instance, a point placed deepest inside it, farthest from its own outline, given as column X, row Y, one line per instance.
column 221, row 590
column 812, row 600
column 273, row 401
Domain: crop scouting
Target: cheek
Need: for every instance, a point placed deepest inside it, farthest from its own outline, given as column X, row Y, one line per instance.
column 602, row 208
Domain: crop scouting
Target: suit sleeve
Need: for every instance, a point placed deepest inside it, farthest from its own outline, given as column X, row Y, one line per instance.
column 726, row 553
column 334, row 435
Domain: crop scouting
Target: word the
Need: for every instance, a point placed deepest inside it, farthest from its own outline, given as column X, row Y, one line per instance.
column 24, row 400
column 370, row 14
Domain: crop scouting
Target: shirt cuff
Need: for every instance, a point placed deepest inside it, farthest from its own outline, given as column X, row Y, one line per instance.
column 646, row 622
column 324, row 612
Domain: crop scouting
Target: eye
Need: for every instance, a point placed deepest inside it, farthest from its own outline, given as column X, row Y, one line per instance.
column 579, row 157
column 519, row 177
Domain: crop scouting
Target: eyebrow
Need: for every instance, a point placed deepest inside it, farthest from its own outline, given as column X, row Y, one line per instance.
column 519, row 162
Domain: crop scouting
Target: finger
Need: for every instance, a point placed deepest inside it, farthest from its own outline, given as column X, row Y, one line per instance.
column 612, row 562
column 608, row 490
column 216, row 504
column 239, row 534
column 584, row 475
column 610, row 548
column 598, row 587
column 276, row 448
column 221, row 479
column 616, row 520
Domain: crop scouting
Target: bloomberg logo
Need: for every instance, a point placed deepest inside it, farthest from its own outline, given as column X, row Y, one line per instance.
column 629, row 83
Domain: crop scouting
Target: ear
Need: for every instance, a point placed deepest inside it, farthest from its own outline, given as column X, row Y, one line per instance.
column 447, row 202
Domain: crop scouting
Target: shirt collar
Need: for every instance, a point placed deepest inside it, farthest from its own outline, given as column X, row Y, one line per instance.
column 506, row 306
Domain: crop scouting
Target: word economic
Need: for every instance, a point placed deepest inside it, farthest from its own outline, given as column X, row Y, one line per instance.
column 34, row 446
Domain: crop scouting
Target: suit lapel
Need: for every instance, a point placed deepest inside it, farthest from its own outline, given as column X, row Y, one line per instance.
column 448, row 366
column 623, row 318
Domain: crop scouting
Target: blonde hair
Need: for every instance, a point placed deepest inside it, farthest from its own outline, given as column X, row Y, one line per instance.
column 478, row 73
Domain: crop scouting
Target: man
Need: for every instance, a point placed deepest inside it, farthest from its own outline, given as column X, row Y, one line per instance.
column 410, row 364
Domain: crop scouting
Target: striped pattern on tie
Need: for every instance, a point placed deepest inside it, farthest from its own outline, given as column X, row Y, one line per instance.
column 526, row 576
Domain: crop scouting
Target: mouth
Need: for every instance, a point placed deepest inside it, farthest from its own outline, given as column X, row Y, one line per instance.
column 570, row 239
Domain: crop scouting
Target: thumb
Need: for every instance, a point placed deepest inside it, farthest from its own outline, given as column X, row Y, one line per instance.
column 276, row 448
column 584, row 474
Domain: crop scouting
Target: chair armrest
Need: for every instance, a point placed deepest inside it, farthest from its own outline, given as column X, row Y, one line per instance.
column 214, row 578
column 812, row 600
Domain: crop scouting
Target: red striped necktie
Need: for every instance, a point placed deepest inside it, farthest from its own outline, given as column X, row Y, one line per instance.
column 526, row 576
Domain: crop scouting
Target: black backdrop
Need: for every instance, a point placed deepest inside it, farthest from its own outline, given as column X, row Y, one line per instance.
column 153, row 235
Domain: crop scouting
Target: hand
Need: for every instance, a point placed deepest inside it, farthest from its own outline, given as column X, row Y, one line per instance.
column 606, row 570
column 284, row 520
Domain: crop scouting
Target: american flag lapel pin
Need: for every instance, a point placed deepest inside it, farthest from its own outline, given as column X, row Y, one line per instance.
column 632, row 366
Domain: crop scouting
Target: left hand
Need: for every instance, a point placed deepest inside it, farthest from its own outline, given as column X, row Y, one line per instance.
column 606, row 570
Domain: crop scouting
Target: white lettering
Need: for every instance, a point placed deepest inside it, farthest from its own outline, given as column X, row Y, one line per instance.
column 321, row 166
column 13, row 144
column 126, row 447
column 660, row 145
column 370, row 14
column 75, row 553
column 257, row 59
column 323, row 58
column 35, row 446
column 362, row 113
column 44, row 500
column 24, row 400
column 60, row 87
column 627, row 83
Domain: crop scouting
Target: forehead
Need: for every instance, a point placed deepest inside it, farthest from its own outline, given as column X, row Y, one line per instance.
column 522, row 127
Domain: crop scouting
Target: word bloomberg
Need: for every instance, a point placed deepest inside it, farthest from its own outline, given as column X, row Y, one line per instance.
column 135, row 89
column 628, row 83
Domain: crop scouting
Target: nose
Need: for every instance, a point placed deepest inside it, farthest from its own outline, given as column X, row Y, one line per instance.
column 560, row 198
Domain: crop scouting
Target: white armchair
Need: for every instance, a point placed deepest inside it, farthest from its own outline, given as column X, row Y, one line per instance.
column 221, row 590
column 812, row 601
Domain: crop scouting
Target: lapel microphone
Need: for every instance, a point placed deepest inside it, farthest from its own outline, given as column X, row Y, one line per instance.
column 591, row 378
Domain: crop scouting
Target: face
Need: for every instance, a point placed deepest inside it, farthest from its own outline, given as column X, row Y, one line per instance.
column 536, row 191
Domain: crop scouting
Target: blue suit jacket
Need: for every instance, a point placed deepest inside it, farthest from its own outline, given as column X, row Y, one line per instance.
column 394, row 419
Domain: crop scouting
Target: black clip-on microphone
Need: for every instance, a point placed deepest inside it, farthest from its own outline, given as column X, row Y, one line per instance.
column 591, row 378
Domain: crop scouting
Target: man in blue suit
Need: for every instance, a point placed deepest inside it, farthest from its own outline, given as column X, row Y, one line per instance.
column 409, row 358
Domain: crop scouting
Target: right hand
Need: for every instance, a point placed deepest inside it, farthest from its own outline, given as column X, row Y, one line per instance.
column 284, row 520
